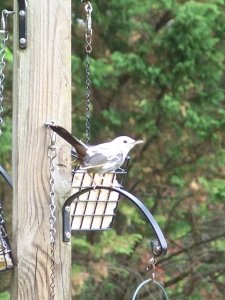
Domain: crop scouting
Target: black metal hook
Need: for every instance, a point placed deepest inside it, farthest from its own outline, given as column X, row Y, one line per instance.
column 162, row 247
column 22, row 13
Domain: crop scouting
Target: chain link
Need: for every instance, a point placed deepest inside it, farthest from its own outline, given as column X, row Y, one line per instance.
column 88, row 35
column 88, row 100
column 4, row 247
column 88, row 48
column 3, row 39
column 52, row 207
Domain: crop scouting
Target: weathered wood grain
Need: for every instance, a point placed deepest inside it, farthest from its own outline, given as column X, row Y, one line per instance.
column 41, row 92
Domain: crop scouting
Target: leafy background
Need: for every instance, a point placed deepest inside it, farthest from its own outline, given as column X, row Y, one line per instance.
column 158, row 74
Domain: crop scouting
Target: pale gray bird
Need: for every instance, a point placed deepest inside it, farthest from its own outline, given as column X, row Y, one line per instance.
column 102, row 158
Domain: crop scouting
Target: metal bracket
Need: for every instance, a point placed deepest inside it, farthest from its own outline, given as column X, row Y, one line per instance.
column 22, row 14
column 159, row 247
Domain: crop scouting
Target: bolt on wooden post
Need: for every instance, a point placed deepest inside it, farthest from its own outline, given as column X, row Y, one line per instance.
column 41, row 93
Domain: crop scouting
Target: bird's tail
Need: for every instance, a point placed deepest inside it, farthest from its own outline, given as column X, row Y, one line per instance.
column 80, row 147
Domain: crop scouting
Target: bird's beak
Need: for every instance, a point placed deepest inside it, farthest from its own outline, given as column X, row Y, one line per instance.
column 138, row 142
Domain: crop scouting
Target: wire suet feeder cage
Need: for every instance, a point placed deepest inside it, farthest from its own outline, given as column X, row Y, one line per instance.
column 6, row 261
column 96, row 209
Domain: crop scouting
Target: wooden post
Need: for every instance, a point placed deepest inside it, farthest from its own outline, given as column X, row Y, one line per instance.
column 41, row 93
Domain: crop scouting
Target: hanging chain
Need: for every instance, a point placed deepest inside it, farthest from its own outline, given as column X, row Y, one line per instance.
column 52, row 207
column 4, row 247
column 3, row 39
column 88, row 48
column 88, row 35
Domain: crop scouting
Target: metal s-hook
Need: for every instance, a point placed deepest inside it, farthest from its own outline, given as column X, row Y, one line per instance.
column 22, row 14
column 4, row 20
column 151, row 267
column 88, row 9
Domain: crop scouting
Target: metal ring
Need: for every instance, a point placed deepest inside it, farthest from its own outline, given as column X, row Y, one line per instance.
column 164, row 294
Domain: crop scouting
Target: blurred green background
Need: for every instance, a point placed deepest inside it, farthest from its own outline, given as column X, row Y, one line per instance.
column 158, row 74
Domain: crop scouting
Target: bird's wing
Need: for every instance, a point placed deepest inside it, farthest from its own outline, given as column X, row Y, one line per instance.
column 80, row 147
column 100, row 156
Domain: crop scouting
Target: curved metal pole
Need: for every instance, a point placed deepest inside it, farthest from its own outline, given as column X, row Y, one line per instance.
column 6, row 176
column 130, row 197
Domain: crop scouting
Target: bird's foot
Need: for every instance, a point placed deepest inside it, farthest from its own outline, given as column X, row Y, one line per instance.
column 116, row 185
column 74, row 162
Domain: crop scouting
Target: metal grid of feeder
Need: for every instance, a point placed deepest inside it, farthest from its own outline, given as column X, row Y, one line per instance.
column 6, row 261
column 96, row 209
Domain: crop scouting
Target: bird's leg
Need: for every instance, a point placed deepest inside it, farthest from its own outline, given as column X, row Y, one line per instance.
column 107, row 179
column 115, row 183
column 74, row 162
column 100, row 179
column 93, row 183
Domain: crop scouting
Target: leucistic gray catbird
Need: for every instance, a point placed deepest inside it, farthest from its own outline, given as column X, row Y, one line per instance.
column 101, row 158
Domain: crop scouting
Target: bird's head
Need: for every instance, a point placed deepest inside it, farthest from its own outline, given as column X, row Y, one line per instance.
column 126, row 143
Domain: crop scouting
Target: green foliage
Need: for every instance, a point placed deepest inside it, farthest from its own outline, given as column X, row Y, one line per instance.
column 178, row 181
column 4, row 296
column 215, row 188
column 158, row 73
column 6, row 145
column 124, row 244
column 110, row 243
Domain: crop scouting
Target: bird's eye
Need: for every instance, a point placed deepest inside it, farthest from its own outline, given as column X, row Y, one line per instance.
column 125, row 141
